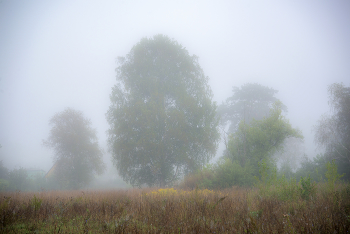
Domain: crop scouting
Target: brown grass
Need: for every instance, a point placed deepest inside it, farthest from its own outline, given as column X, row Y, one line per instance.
column 168, row 211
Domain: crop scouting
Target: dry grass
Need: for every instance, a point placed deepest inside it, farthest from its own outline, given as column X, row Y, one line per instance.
column 172, row 211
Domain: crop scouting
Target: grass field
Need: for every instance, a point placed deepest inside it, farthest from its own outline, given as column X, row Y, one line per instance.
column 175, row 211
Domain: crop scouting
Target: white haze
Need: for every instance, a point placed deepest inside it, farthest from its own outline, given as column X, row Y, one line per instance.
column 57, row 54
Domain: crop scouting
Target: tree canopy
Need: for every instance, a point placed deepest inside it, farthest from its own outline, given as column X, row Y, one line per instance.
column 333, row 131
column 251, row 101
column 258, row 141
column 77, row 153
column 162, row 118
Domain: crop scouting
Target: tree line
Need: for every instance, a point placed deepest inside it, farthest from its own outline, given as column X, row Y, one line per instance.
column 164, row 125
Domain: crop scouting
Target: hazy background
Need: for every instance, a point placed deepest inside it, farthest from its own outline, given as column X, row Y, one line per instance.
column 57, row 54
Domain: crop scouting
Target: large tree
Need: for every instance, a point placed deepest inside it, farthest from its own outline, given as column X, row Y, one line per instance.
column 77, row 153
column 333, row 131
column 251, row 101
column 162, row 119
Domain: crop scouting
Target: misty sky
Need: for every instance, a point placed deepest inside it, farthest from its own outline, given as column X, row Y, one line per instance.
column 58, row 54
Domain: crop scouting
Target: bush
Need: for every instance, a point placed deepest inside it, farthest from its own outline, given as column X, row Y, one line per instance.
column 316, row 168
column 307, row 188
column 225, row 174
column 201, row 179
column 287, row 189
column 18, row 179
column 230, row 173
column 332, row 175
column 282, row 188
column 4, row 185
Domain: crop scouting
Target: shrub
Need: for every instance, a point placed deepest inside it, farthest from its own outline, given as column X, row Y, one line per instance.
column 332, row 175
column 201, row 179
column 307, row 188
column 230, row 173
column 18, row 179
column 4, row 185
column 287, row 189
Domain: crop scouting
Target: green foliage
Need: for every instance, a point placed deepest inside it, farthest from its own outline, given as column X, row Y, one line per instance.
column 38, row 183
column 281, row 188
column 206, row 178
column 286, row 171
column 5, row 203
column 268, row 177
column 316, row 168
column 202, row 179
column 36, row 203
column 251, row 101
column 163, row 122
column 77, row 153
column 332, row 131
column 307, row 188
column 3, row 171
column 332, row 175
column 230, row 173
column 224, row 174
column 4, row 185
column 261, row 139
column 345, row 196
column 251, row 149
column 287, row 189
column 18, row 179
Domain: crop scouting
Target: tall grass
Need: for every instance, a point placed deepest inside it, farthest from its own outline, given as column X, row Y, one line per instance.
column 274, row 205
column 176, row 211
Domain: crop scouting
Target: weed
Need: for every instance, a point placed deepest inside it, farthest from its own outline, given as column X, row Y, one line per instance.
column 36, row 203
column 307, row 188
column 332, row 175
column 165, row 210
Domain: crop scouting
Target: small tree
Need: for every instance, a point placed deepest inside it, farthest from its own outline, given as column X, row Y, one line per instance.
column 77, row 153
column 256, row 142
column 332, row 175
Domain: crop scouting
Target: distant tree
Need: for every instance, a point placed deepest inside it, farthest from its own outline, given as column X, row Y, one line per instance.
column 258, row 141
column 251, row 101
column 251, row 146
column 333, row 131
column 3, row 171
column 290, row 155
column 18, row 179
column 77, row 153
column 162, row 119
column 315, row 167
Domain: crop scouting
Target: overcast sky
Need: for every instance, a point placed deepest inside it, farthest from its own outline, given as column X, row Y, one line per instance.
column 58, row 54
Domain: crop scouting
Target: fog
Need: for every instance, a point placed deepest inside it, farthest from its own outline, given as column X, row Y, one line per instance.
column 58, row 54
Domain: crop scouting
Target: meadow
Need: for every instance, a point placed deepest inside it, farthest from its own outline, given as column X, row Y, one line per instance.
column 237, row 210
